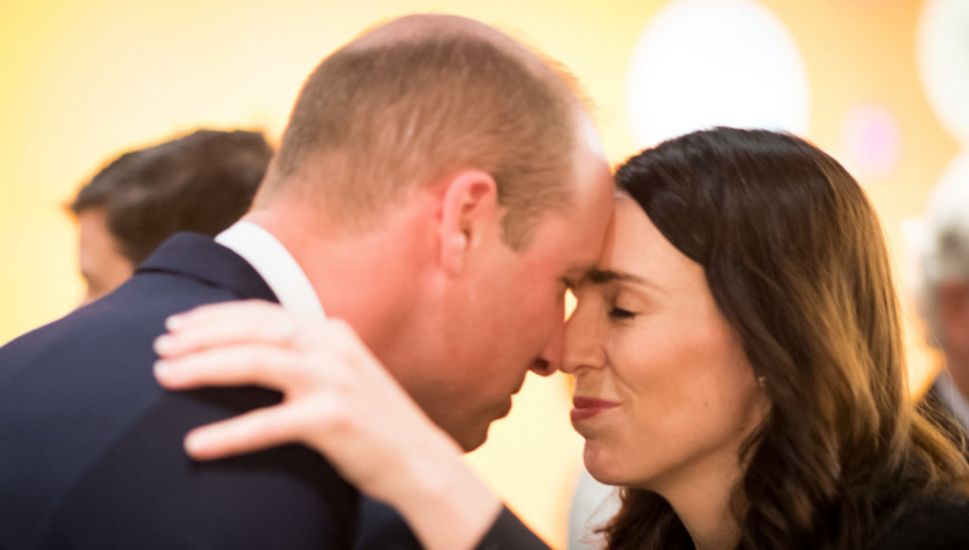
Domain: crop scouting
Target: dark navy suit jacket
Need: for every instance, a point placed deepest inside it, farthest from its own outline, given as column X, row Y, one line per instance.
column 91, row 449
column 382, row 528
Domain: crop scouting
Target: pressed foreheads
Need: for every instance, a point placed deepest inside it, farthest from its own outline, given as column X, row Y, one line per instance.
column 376, row 122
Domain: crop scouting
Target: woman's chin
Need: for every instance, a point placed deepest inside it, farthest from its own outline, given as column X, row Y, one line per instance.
column 601, row 465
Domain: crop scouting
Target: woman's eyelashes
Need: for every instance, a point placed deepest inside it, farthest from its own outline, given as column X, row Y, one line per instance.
column 624, row 305
column 620, row 314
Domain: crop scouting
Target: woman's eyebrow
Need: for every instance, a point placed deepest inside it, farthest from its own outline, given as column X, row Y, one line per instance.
column 604, row 276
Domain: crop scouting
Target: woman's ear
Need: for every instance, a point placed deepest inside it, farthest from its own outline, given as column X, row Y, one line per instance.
column 469, row 208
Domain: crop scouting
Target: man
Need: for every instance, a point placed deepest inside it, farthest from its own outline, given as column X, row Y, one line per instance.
column 943, row 264
column 202, row 182
column 436, row 189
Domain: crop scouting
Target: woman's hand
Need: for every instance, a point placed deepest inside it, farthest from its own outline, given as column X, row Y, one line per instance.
column 337, row 399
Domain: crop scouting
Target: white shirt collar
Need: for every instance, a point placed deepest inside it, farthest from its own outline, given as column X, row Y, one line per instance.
column 275, row 265
column 950, row 396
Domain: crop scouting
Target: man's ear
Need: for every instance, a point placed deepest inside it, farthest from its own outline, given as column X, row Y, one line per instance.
column 469, row 205
column 953, row 310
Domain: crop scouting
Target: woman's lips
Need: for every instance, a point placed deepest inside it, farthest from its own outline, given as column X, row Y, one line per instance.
column 587, row 407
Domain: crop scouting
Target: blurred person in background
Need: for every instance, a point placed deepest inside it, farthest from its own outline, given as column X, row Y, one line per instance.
column 942, row 260
column 738, row 362
column 201, row 182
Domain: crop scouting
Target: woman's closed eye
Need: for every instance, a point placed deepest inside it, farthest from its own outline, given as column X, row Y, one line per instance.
column 619, row 313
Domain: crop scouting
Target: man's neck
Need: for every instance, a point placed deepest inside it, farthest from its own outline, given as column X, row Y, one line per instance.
column 364, row 279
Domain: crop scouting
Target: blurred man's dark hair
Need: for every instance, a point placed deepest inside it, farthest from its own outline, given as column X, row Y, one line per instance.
column 202, row 182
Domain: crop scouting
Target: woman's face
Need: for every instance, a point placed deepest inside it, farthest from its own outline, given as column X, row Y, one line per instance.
column 663, row 389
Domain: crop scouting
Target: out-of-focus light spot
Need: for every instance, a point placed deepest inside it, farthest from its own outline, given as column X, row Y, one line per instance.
column 871, row 140
column 943, row 43
column 570, row 303
column 702, row 63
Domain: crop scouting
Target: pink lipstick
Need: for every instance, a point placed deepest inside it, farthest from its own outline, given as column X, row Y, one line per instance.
column 587, row 407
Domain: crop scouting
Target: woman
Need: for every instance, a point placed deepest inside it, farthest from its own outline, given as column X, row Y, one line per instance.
column 746, row 323
column 738, row 364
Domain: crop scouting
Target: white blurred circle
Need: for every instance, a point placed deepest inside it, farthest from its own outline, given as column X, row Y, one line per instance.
column 943, row 43
column 950, row 195
column 702, row 63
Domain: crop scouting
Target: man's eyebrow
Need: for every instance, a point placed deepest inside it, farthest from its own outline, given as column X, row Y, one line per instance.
column 582, row 271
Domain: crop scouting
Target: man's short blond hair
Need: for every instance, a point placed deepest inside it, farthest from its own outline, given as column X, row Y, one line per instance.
column 380, row 121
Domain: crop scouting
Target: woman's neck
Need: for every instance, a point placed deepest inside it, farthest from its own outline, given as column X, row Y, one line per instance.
column 702, row 497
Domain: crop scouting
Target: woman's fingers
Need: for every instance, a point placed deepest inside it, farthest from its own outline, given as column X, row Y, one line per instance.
column 227, row 323
column 254, row 431
column 233, row 365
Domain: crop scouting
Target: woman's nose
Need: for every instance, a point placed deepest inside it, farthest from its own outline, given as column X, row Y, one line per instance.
column 583, row 341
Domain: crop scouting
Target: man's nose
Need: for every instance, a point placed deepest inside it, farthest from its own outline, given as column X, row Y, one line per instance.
column 551, row 358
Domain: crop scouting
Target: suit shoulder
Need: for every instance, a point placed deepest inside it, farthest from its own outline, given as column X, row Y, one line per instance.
column 144, row 491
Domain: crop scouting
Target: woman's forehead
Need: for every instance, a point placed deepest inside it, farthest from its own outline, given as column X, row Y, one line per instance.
column 637, row 247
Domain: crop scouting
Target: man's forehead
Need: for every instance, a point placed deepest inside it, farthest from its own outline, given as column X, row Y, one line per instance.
column 599, row 245
column 574, row 240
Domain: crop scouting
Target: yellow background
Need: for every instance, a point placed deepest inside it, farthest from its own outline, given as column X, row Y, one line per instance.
column 84, row 80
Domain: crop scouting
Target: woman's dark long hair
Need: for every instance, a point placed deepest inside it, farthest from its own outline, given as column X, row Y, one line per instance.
column 796, row 261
